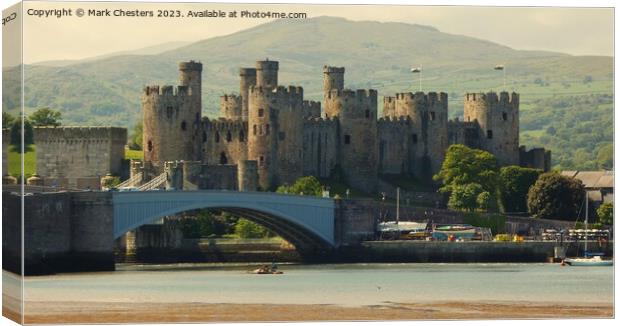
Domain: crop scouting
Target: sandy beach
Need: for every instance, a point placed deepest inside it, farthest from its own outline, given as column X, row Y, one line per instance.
column 95, row 312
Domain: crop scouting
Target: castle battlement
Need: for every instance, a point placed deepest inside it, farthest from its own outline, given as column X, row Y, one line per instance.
column 389, row 99
column 190, row 65
column 247, row 72
column 166, row 91
column 359, row 94
column 267, row 65
column 492, row 98
column 223, row 124
column 330, row 69
column 230, row 97
column 318, row 121
column 290, row 92
column 402, row 120
column 431, row 98
column 312, row 105
column 79, row 134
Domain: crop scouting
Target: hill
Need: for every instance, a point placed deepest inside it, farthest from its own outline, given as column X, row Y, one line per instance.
column 107, row 91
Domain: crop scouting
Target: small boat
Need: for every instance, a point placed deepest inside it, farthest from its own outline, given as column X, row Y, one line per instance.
column 589, row 261
column 446, row 232
column 266, row 270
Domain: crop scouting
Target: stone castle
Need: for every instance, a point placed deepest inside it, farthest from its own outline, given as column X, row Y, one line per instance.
column 270, row 131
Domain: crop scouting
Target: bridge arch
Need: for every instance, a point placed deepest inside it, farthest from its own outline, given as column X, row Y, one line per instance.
column 307, row 222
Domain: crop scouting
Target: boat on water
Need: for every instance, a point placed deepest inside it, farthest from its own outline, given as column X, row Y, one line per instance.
column 454, row 231
column 589, row 259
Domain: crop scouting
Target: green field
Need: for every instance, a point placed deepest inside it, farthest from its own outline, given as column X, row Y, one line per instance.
column 14, row 162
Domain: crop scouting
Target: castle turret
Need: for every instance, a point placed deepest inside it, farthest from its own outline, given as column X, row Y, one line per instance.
column 231, row 107
column 247, row 78
column 333, row 78
column 498, row 118
column 357, row 113
column 261, row 138
column 267, row 74
column 247, row 174
column 171, row 117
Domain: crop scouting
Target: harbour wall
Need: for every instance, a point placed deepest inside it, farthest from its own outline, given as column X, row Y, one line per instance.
column 463, row 252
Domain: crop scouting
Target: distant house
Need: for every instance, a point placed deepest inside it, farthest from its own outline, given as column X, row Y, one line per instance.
column 599, row 185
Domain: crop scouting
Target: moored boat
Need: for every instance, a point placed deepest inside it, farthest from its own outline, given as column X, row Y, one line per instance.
column 589, row 261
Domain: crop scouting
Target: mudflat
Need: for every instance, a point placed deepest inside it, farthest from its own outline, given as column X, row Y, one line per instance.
column 107, row 312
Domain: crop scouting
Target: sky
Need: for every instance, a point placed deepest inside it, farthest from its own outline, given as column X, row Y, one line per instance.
column 577, row 31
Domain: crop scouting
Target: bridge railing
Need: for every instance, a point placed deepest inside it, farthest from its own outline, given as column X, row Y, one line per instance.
column 155, row 183
column 131, row 182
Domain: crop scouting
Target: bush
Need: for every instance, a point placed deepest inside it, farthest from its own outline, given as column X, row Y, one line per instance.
column 605, row 213
column 555, row 196
column 246, row 229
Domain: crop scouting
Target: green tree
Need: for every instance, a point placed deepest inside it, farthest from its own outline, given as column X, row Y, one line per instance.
column 246, row 229
column 555, row 196
column 45, row 117
column 514, row 183
column 7, row 120
column 605, row 213
column 465, row 197
column 605, row 157
column 16, row 135
column 464, row 165
column 135, row 141
column 309, row 186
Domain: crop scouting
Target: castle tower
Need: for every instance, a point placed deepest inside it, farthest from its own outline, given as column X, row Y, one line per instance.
column 247, row 77
column 333, row 78
column 171, row 118
column 231, row 107
column 429, row 129
column 357, row 114
column 267, row 74
column 498, row 118
column 275, row 140
column 261, row 136
column 247, row 174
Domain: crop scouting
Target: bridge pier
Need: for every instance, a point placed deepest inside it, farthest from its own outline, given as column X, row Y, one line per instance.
column 63, row 232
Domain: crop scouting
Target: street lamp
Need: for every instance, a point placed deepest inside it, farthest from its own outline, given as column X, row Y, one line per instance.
column 503, row 69
column 418, row 70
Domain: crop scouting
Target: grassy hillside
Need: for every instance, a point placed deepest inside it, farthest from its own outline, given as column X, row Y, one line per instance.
column 376, row 55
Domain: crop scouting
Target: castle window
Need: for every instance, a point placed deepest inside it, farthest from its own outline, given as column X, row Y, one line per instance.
column 267, row 129
column 169, row 111
column 149, row 146
column 504, row 116
column 204, row 136
column 281, row 135
column 241, row 136
column 414, row 138
column 254, row 130
column 490, row 134
column 217, row 137
column 223, row 159
column 432, row 115
column 347, row 139
column 261, row 112
column 228, row 137
column 261, row 160
column 183, row 125
column 367, row 114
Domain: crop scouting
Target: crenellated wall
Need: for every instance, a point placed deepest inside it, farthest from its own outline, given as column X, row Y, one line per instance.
column 76, row 154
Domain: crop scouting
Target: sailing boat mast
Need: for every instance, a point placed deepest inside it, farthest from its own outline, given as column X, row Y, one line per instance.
column 586, row 225
column 397, row 204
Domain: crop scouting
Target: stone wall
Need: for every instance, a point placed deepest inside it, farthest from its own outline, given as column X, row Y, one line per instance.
column 224, row 141
column 81, row 155
column 537, row 158
column 320, row 146
column 63, row 232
